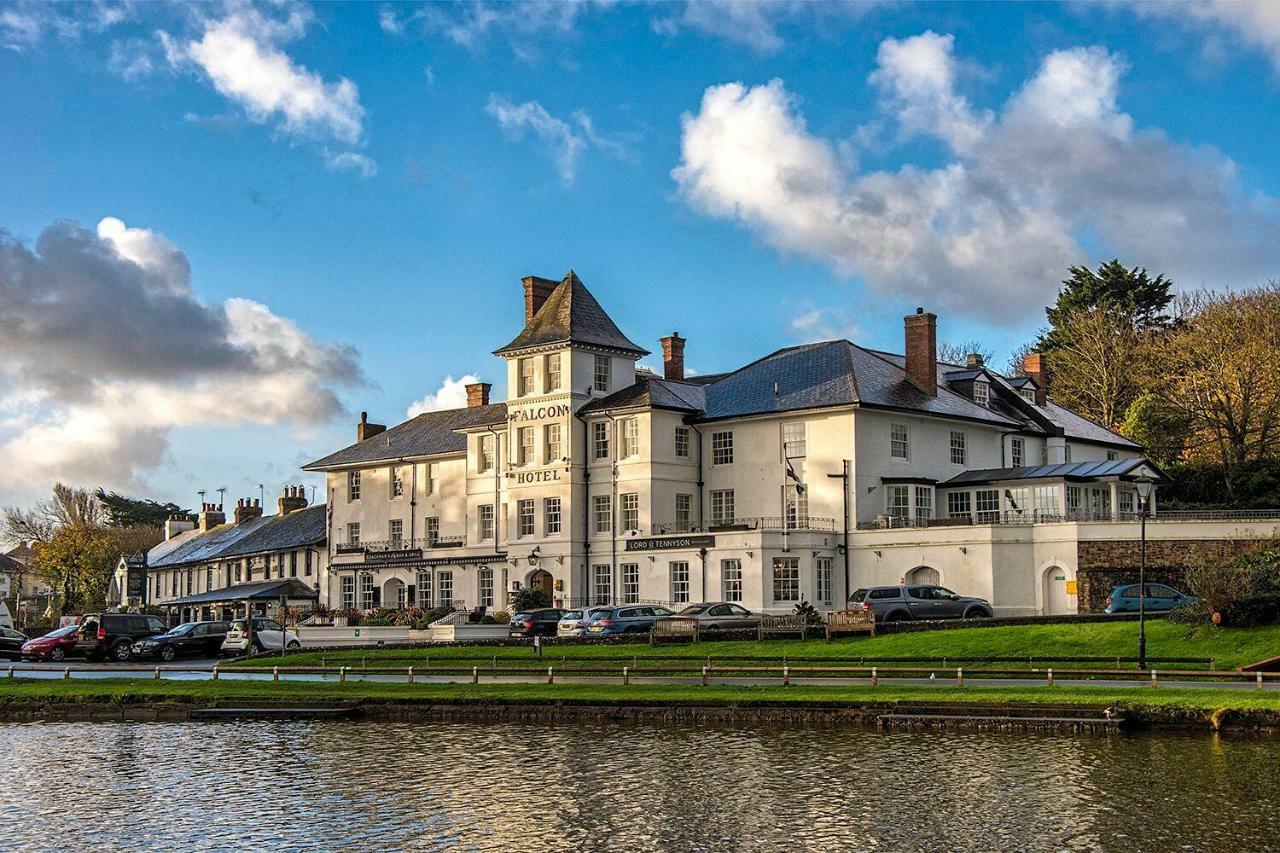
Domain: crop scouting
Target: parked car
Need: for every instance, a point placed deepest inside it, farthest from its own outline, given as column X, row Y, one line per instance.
column 536, row 623
column 718, row 615
column 111, row 635
column 268, row 634
column 58, row 644
column 574, row 622
column 629, row 619
column 918, row 601
column 203, row 639
column 11, row 643
column 1160, row 598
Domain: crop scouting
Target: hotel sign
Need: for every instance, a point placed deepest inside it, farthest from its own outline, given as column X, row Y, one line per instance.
column 539, row 413
column 546, row 475
column 670, row 543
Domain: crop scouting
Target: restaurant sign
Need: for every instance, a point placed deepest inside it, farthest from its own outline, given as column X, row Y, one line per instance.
column 670, row 543
column 397, row 554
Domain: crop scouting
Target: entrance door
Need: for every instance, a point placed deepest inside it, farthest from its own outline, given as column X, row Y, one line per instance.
column 542, row 580
column 1056, row 600
column 923, row 574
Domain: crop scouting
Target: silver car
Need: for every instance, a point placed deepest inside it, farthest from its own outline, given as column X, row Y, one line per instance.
column 574, row 622
column 720, row 615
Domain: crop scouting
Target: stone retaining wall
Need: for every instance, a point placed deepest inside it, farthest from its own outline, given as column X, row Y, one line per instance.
column 1102, row 565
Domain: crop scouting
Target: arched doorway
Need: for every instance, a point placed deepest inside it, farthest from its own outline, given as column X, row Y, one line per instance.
column 1056, row 600
column 394, row 594
column 541, row 579
column 924, row 575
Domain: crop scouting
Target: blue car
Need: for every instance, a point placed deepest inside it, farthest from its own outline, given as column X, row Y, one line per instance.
column 1160, row 598
column 629, row 619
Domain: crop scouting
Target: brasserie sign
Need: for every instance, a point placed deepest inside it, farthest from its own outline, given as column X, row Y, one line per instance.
column 670, row 543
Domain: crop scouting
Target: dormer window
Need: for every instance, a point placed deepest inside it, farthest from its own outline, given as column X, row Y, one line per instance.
column 1028, row 394
column 981, row 393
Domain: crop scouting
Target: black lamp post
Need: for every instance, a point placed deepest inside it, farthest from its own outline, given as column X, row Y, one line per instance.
column 1146, row 488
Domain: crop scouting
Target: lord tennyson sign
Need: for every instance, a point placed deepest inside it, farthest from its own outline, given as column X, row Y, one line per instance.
column 670, row 543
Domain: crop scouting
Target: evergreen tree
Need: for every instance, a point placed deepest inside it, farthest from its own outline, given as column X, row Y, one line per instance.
column 1133, row 294
column 124, row 511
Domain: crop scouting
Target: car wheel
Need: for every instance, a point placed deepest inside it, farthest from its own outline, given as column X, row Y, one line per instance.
column 167, row 653
column 897, row 616
column 977, row 613
column 294, row 645
column 57, row 654
column 121, row 651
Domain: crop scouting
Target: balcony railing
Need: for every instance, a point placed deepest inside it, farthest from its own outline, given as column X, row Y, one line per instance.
column 728, row 525
column 1034, row 517
column 385, row 545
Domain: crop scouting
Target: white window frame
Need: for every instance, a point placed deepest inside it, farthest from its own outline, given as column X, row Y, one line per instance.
column 396, row 481
column 897, row 501
column 959, row 505
column 353, row 533
column 484, row 454
column 600, row 440
column 486, row 527
column 899, row 441
column 959, row 447
column 445, row 583
column 551, row 517
column 353, row 486
column 982, row 392
column 526, row 449
column 630, row 429
column 601, row 373
column 395, row 530
column 923, row 504
column 431, row 527
column 1017, row 452
column 986, row 506
column 602, row 513
column 526, row 518
column 722, row 506
column 484, row 585
column 679, row 571
column 552, row 378
column 682, row 443
column 684, row 512
column 525, row 373
column 795, row 443
column 629, row 505
column 348, row 594
column 786, row 580
column 553, row 444
column 630, row 583
column 822, row 572
column 731, row 579
column 722, row 447
column 601, row 584
column 423, row 591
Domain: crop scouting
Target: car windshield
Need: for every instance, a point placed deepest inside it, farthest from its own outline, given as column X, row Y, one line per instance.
column 182, row 630
column 693, row 610
column 858, row 595
column 519, row 617
column 237, row 625
column 572, row 614
column 64, row 631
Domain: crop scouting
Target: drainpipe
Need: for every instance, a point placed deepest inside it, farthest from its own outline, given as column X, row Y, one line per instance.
column 586, row 509
column 497, row 492
column 613, row 505
column 701, row 484
column 413, row 502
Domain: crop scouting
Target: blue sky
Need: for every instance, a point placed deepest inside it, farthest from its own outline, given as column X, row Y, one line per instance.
column 367, row 184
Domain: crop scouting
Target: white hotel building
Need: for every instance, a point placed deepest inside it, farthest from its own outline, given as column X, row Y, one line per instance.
column 812, row 471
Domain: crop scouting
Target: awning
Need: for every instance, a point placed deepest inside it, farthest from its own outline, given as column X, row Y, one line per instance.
column 1074, row 471
column 259, row 591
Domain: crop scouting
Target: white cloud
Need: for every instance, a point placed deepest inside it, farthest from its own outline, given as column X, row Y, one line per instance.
column 1255, row 23
column 756, row 24
column 811, row 324
column 991, row 231
column 109, row 350
column 452, row 394
column 242, row 57
column 131, row 59
column 563, row 141
column 350, row 161
column 24, row 24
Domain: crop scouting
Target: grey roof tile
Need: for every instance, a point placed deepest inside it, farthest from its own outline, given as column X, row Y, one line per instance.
column 651, row 391
column 270, row 533
column 425, row 435
column 572, row 315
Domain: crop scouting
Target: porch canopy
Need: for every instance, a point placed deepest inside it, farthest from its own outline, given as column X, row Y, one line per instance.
column 1071, row 472
column 290, row 588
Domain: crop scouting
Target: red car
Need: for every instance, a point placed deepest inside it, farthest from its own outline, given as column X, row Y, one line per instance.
column 54, row 645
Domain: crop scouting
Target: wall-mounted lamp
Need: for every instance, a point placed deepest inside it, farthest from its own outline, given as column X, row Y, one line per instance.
column 870, row 489
column 652, row 559
column 878, row 554
column 560, row 560
column 964, row 550
column 751, row 554
column 534, row 555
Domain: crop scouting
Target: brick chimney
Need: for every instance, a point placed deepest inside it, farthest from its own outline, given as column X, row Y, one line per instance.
column 364, row 429
column 178, row 523
column 536, row 291
column 973, row 359
column 1035, row 366
column 673, row 356
column 247, row 510
column 922, row 350
column 211, row 516
column 478, row 394
column 292, row 499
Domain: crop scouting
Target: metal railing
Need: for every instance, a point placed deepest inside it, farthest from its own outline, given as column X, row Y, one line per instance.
column 426, row 543
column 1037, row 517
column 722, row 525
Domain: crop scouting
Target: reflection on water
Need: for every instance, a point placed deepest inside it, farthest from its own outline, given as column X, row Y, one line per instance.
column 508, row 786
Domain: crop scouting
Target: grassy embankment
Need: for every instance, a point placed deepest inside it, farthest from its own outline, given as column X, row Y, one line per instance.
column 1230, row 648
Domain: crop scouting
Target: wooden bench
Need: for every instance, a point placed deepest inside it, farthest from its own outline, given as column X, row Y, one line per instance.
column 791, row 623
column 851, row 622
column 676, row 628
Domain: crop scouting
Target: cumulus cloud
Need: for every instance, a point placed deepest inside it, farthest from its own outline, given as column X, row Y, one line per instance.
column 109, row 349
column 452, row 394
column 990, row 231
column 1253, row 23
column 564, row 142
column 471, row 25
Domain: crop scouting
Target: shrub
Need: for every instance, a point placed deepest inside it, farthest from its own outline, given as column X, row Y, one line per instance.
column 810, row 613
column 488, row 620
column 530, row 598
column 501, row 616
column 1243, row 592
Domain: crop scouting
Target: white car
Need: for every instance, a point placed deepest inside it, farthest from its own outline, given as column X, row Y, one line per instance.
column 267, row 635
column 574, row 622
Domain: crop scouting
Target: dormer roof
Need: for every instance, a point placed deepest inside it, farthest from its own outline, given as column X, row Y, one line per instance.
column 571, row 315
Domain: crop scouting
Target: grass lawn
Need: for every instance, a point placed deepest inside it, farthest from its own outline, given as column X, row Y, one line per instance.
column 1229, row 647
column 25, row 692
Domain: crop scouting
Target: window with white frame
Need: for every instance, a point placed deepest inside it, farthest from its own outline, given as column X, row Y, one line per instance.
column 786, row 579
column 353, row 485
column 524, row 518
column 367, row 591
column 552, row 444
column 552, row 372
column 1066, row 453
column 630, row 505
column 603, row 513
column 432, row 529
column 602, row 588
column 397, row 481
column 395, row 531
column 924, row 504
column 630, row 437
column 348, row 592
column 731, row 578
column 1018, row 502
column 679, row 582
column 353, row 533
column 822, row 576
column 525, row 446
column 525, row 366
column 484, row 458
column 1125, row 503
column 959, row 455
column 981, row 392
column 551, row 515
column 1017, row 452
column 684, row 510
column 721, row 448
column 897, row 501
column 600, row 376
column 722, row 509
column 446, row 589
column 682, row 442
column 959, row 505
column 797, row 506
column 306, row 570
column 1046, row 502
column 424, row 589
column 1028, row 394
column 484, row 578
column 794, row 445
column 1112, row 456
column 600, row 440
column 899, row 448
column 630, row 583
column 485, row 530
column 987, row 504
column 1073, row 501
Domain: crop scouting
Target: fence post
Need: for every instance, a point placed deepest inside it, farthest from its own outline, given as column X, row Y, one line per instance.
column 959, row 677
column 66, row 673
column 1051, row 676
column 704, row 676
column 342, row 675
column 215, row 672
column 1259, row 680
column 157, row 675
column 411, row 675
column 275, row 674
column 324, row 662
column 551, row 677
column 475, row 675
column 626, row 675
column 1153, row 679
column 875, row 677
column 786, row 675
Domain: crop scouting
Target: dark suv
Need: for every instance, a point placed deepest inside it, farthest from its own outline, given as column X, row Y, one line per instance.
column 111, row 635
column 918, row 601
column 203, row 639
column 535, row 623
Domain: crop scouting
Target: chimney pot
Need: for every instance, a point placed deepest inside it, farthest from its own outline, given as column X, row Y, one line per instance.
column 247, row 510
column 478, row 394
column 291, row 500
column 921, row 332
column 536, row 291
column 673, row 356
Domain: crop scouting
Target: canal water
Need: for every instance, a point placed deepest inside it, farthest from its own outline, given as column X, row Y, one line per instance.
column 259, row 785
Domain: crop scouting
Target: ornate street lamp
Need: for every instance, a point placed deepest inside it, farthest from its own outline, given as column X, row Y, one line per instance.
column 1146, row 488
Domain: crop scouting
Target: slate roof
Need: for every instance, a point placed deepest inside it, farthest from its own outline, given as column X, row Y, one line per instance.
column 652, row 392
column 1067, row 470
column 425, row 435
column 269, row 533
column 572, row 315
column 8, row 564
column 257, row 591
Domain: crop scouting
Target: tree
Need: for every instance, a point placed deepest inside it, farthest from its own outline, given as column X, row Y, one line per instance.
column 1018, row 358
column 123, row 511
column 1131, row 293
column 1096, row 364
column 68, row 506
column 78, row 562
column 1160, row 427
column 959, row 353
